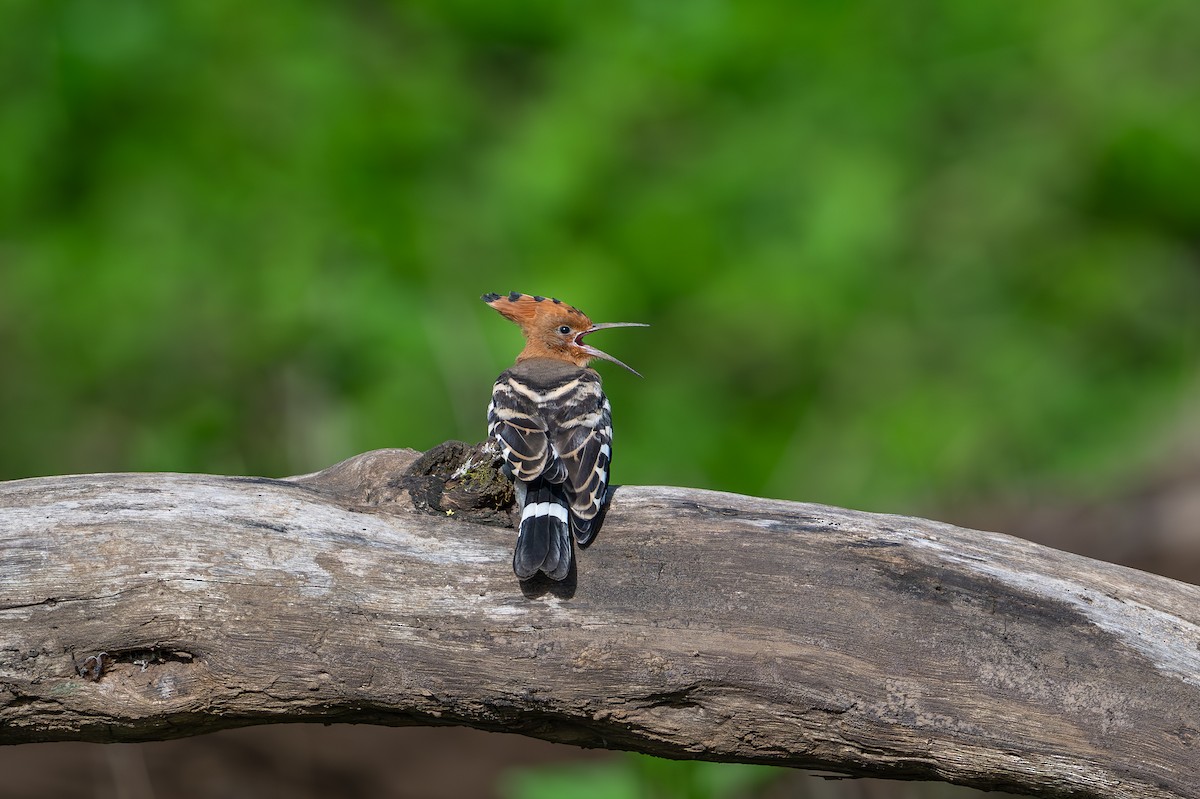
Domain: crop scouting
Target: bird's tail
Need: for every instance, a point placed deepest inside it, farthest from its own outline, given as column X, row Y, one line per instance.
column 544, row 537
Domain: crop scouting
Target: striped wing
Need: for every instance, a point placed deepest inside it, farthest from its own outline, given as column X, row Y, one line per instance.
column 517, row 425
column 584, row 445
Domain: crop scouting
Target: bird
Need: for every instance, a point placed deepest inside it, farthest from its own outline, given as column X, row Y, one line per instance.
column 553, row 426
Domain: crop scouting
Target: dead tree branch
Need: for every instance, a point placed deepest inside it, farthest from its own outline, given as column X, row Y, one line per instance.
column 699, row 625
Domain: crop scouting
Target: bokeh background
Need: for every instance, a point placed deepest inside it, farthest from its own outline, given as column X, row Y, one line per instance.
column 934, row 257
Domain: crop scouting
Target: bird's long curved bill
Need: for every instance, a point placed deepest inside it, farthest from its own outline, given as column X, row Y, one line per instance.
column 595, row 353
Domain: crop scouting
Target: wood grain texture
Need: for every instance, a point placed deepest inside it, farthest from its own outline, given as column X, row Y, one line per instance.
column 699, row 625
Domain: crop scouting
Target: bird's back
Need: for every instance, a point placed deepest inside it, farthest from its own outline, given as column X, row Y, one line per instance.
column 552, row 422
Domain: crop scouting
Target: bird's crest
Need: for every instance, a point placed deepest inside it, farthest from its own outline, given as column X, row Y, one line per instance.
column 525, row 308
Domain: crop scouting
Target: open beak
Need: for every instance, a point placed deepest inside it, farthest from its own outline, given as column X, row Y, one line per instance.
column 595, row 353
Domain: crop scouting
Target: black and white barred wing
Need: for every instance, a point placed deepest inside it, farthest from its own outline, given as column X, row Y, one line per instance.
column 516, row 424
column 584, row 445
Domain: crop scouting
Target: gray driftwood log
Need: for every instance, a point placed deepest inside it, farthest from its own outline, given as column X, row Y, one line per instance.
column 699, row 625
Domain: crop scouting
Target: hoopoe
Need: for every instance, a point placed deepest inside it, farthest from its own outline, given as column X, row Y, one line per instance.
column 553, row 425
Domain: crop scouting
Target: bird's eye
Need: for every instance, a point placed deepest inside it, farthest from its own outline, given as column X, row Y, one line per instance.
column 565, row 329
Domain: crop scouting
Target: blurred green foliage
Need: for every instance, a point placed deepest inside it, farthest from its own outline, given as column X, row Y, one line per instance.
column 889, row 254
column 639, row 777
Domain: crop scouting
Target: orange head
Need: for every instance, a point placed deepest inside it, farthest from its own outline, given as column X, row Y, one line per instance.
column 552, row 328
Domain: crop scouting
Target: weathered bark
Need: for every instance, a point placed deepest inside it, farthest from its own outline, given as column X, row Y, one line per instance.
column 699, row 625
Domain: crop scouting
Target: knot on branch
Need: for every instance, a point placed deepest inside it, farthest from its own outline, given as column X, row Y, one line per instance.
column 459, row 479
column 452, row 479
